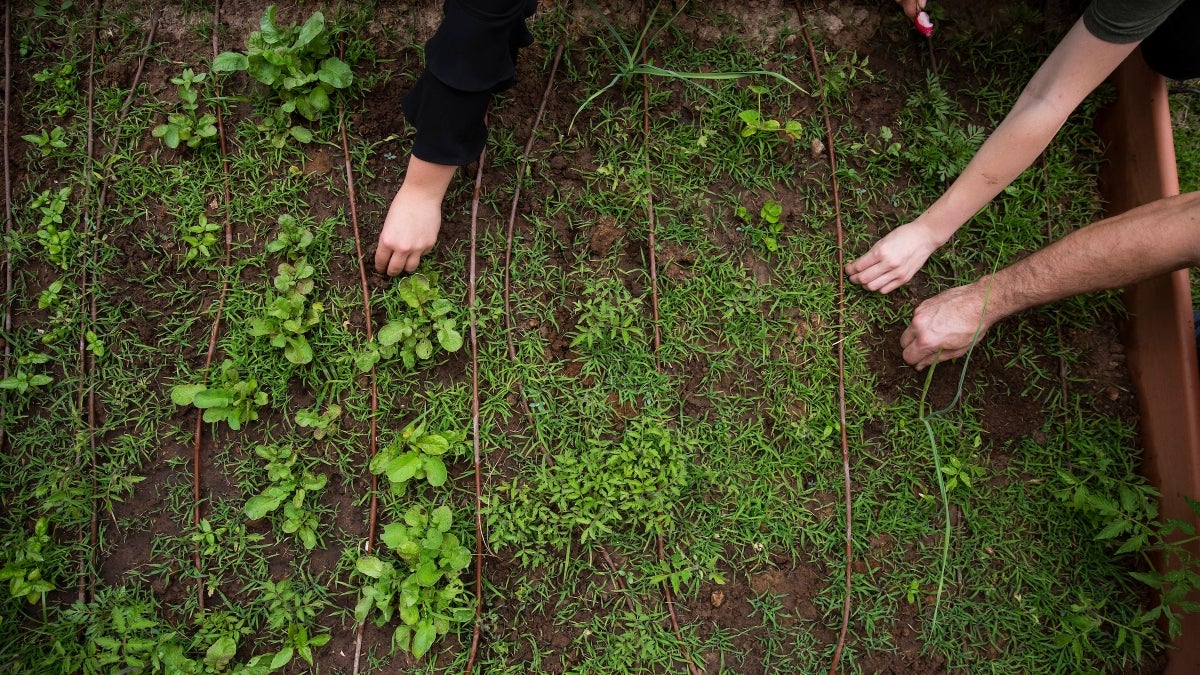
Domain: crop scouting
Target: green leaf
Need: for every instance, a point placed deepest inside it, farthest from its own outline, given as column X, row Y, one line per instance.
column 435, row 471
column 213, row 398
column 301, row 134
column 298, row 351
column 336, row 73
column 310, row 30
column 404, row 467
column 433, row 444
column 184, row 394
column 459, row 558
column 441, row 518
column 395, row 535
column 227, row 62
column 318, row 99
column 263, row 71
column 371, row 566
column 283, row 658
column 423, row 349
column 260, row 505
column 423, row 638
column 393, row 333
column 428, row 574
column 221, row 652
column 450, row 339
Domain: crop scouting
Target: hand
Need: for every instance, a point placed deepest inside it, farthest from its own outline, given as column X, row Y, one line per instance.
column 911, row 7
column 945, row 326
column 893, row 260
column 409, row 231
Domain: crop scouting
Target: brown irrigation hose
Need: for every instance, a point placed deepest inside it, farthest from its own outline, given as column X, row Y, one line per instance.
column 198, row 430
column 7, row 202
column 841, row 342
column 475, row 633
column 372, row 439
column 508, row 246
column 86, row 365
column 657, row 343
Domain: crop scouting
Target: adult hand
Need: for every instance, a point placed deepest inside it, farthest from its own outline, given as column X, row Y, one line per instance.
column 409, row 232
column 893, row 260
column 945, row 326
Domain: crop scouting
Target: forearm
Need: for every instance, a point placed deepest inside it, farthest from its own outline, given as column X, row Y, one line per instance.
column 1153, row 239
column 427, row 179
column 1077, row 65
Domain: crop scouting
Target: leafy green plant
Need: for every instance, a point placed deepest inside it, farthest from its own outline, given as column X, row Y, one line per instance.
column 52, row 232
column 422, row 584
column 63, row 83
column 23, row 379
column 48, row 141
column 290, row 315
column 608, row 315
column 322, row 424
column 592, row 492
column 411, row 336
column 293, row 612
column 416, row 454
column 201, row 239
column 961, row 471
column 23, row 560
column 769, row 226
column 295, row 62
column 755, row 123
column 188, row 127
column 231, row 400
column 290, row 485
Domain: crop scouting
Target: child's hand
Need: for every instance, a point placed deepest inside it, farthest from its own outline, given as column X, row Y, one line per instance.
column 411, row 227
column 893, row 260
column 409, row 232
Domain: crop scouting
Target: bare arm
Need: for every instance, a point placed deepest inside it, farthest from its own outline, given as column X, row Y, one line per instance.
column 1076, row 66
column 1152, row 239
column 414, row 218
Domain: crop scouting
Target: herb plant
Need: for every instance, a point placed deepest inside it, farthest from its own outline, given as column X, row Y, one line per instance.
column 322, row 424
column 769, row 226
column 295, row 62
column 201, row 239
column 52, row 232
column 231, row 399
column 608, row 315
column 421, row 583
column 188, row 127
column 755, row 123
column 48, row 141
column 23, row 379
column 411, row 336
column 290, row 315
column 290, row 486
column 416, row 454
column 23, row 561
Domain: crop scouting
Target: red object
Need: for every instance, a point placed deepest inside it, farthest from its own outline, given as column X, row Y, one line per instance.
column 923, row 23
column 1160, row 337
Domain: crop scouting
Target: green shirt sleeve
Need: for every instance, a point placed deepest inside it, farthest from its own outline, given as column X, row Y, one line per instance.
column 1125, row 21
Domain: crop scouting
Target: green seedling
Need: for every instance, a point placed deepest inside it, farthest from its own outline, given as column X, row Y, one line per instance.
column 322, row 424
column 201, row 239
column 48, row 141
column 294, row 613
column 23, row 560
column 52, row 232
column 416, row 454
column 24, row 379
column 607, row 315
column 755, row 123
column 94, row 344
column 295, row 62
column 769, row 226
column 288, row 319
column 62, row 81
column 232, row 400
column 422, row 584
column 411, row 337
column 187, row 127
column 290, row 486
column 959, row 471
column 293, row 238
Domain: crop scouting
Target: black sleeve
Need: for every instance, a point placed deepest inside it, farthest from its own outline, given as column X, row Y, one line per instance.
column 1173, row 49
column 471, row 56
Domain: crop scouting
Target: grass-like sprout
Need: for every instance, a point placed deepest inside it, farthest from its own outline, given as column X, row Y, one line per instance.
column 631, row 62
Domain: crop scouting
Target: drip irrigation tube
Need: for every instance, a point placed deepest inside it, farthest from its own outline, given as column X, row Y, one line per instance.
column 841, row 340
column 508, row 246
column 7, row 204
column 471, row 279
column 372, row 438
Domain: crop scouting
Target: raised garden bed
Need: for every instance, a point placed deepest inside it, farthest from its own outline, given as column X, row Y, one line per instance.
column 657, row 427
